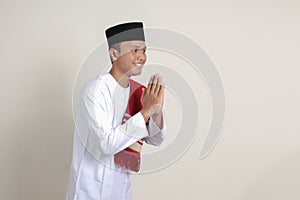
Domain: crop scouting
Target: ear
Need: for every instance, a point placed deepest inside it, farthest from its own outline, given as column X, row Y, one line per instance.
column 114, row 54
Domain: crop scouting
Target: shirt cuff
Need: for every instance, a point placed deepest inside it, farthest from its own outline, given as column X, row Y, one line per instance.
column 154, row 129
column 135, row 126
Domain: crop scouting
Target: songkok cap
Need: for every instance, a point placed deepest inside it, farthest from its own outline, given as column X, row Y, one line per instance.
column 125, row 32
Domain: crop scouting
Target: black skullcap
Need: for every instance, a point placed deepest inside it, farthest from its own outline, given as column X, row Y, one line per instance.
column 125, row 32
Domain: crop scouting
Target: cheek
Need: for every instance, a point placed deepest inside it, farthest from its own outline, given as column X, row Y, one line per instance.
column 124, row 59
column 132, row 57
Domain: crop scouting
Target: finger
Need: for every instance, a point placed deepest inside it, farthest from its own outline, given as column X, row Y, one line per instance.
column 161, row 90
column 158, row 84
column 150, row 83
column 160, row 79
column 154, row 84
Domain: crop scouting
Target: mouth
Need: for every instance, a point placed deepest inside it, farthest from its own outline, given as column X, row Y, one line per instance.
column 139, row 65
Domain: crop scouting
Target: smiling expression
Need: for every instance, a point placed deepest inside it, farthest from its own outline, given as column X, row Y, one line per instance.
column 131, row 57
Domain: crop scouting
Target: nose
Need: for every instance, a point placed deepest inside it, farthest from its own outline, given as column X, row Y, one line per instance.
column 142, row 56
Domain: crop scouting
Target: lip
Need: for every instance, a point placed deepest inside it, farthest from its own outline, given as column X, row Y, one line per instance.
column 139, row 65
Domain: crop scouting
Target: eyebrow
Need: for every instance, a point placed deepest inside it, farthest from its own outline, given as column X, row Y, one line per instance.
column 136, row 46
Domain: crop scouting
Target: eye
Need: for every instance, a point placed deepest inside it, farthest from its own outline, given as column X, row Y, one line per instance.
column 134, row 50
column 144, row 50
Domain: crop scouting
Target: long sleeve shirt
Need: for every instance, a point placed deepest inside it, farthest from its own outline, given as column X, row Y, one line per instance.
column 99, row 134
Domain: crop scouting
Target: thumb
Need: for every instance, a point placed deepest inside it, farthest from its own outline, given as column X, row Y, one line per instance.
column 143, row 91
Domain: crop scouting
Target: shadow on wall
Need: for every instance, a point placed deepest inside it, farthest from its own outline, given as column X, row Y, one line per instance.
column 278, row 183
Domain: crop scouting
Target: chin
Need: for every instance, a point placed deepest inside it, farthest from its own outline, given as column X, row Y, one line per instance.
column 136, row 72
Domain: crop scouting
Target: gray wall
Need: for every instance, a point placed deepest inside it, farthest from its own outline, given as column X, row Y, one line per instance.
column 255, row 46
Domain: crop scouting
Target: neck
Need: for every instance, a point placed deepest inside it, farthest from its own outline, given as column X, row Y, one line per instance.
column 121, row 78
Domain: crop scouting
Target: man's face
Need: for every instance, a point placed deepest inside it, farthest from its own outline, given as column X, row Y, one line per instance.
column 132, row 56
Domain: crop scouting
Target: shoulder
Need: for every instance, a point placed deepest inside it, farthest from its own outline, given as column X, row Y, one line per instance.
column 96, row 86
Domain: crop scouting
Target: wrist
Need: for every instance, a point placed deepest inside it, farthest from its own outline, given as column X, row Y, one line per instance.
column 158, row 119
column 145, row 114
column 155, row 115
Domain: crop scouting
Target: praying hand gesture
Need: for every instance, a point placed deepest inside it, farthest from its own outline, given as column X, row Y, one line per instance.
column 153, row 98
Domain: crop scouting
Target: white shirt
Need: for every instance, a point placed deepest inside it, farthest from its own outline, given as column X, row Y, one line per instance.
column 98, row 135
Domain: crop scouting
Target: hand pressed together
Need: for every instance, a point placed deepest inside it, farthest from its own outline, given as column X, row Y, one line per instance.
column 153, row 97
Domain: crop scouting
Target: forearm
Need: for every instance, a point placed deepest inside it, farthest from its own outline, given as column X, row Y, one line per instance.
column 158, row 119
column 156, row 134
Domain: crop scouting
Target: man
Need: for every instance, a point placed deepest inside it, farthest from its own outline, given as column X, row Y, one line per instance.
column 115, row 115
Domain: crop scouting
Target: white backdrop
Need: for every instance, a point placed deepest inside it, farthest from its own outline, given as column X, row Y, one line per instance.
column 255, row 46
